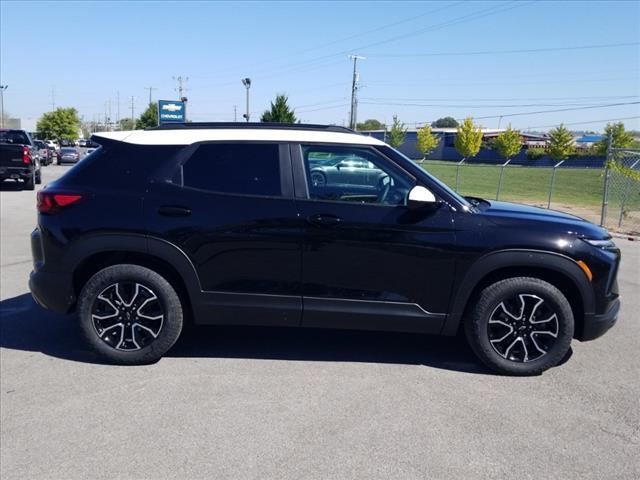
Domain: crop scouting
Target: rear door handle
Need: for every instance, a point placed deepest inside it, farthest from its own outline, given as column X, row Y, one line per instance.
column 325, row 219
column 174, row 211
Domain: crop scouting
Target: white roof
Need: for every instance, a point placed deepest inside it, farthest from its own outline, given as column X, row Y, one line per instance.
column 186, row 136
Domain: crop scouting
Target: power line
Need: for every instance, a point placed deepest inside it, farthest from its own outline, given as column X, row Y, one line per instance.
column 437, row 26
column 501, row 52
column 589, row 121
column 552, row 111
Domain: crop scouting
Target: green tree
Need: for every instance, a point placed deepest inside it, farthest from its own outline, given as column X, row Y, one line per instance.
column 427, row 142
column 445, row 122
column 560, row 143
column 279, row 111
column 61, row 124
column 619, row 136
column 508, row 143
column 468, row 139
column 127, row 124
column 370, row 124
column 397, row 133
column 149, row 117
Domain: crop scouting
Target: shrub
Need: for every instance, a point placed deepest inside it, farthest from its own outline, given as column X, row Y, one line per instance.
column 535, row 153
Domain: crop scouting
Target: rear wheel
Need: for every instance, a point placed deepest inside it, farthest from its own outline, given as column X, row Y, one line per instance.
column 520, row 326
column 30, row 182
column 39, row 177
column 130, row 314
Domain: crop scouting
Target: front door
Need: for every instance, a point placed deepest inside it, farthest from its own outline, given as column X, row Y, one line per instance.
column 369, row 261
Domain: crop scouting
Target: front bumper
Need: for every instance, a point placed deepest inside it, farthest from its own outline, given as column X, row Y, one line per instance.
column 597, row 325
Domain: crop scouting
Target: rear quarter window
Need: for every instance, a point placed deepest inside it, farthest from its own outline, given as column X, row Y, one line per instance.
column 123, row 165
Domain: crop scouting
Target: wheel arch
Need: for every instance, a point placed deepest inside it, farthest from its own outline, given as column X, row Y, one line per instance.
column 557, row 269
column 100, row 251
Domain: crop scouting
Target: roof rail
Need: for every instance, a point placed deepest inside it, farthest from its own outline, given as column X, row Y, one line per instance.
column 252, row 125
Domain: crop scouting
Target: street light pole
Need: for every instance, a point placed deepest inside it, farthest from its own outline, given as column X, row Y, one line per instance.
column 247, row 84
column 2, row 89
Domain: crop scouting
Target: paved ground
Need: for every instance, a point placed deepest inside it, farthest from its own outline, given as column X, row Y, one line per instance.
column 255, row 403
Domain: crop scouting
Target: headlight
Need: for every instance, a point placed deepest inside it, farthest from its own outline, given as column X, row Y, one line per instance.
column 604, row 244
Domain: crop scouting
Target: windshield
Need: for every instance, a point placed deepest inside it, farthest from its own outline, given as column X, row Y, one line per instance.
column 68, row 150
column 16, row 137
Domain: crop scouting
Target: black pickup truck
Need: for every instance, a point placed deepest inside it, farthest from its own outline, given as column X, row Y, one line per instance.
column 19, row 158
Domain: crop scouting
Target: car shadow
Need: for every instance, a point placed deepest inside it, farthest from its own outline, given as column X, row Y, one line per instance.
column 26, row 326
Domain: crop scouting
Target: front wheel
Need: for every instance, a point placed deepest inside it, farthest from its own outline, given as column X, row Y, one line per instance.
column 130, row 314
column 520, row 326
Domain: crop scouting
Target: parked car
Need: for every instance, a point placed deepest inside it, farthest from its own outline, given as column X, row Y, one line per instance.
column 68, row 155
column 43, row 152
column 19, row 158
column 223, row 224
column 52, row 145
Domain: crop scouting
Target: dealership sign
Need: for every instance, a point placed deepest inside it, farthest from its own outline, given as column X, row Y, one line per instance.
column 171, row 111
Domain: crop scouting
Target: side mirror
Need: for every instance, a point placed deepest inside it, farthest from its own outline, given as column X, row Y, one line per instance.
column 421, row 198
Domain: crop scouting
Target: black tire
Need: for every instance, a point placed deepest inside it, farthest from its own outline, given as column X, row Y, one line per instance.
column 321, row 178
column 166, row 301
column 39, row 177
column 29, row 182
column 494, row 314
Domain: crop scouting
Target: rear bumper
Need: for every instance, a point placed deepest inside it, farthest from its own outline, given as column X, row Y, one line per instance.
column 53, row 291
column 597, row 325
column 15, row 172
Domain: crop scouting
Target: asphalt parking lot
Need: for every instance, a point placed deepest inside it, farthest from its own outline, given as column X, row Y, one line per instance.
column 277, row 403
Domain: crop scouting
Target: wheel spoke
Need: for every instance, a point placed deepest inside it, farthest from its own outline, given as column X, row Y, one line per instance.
column 134, row 309
column 522, row 328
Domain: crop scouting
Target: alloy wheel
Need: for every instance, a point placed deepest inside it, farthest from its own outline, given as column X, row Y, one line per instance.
column 523, row 328
column 127, row 316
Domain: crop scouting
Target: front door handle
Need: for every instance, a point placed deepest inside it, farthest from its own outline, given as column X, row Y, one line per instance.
column 174, row 211
column 325, row 219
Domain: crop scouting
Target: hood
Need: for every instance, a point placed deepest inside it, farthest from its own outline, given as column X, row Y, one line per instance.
column 504, row 213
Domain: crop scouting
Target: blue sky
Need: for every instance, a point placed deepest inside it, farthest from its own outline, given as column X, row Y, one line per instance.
column 424, row 59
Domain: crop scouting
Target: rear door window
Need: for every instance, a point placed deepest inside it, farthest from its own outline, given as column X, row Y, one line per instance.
column 236, row 168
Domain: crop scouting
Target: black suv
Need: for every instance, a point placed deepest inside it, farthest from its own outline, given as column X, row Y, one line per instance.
column 223, row 224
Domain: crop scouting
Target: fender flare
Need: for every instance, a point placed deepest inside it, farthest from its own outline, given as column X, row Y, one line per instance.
column 134, row 243
column 494, row 261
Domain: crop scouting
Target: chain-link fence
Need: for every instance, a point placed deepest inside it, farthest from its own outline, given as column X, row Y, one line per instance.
column 570, row 186
column 621, row 191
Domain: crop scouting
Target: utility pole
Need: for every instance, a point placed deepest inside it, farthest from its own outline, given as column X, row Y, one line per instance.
column 118, row 108
column 181, row 91
column 353, row 120
column 247, row 84
column 53, row 98
column 235, row 113
column 2, row 89
column 150, row 90
column 181, row 88
column 132, row 116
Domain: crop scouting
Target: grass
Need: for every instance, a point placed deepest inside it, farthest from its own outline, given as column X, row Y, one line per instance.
column 580, row 187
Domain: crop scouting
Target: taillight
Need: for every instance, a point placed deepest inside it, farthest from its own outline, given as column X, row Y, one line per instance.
column 26, row 155
column 50, row 202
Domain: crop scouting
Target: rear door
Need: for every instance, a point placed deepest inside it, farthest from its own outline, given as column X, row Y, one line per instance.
column 230, row 208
